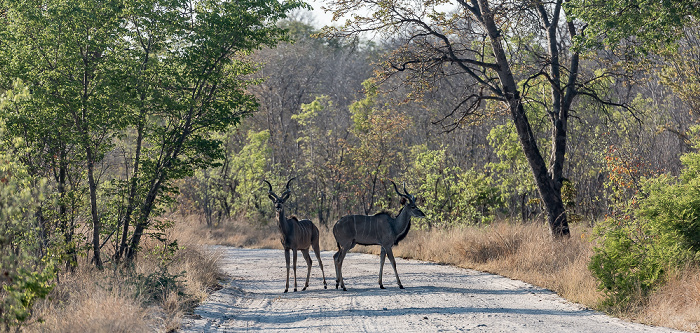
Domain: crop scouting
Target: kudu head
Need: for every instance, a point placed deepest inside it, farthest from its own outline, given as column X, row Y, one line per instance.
column 409, row 201
column 279, row 200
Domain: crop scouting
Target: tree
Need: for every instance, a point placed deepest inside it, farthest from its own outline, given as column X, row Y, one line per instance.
column 27, row 264
column 504, row 50
column 640, row 25
column 73, row 81
column 374, row 148
column 323, row 128
column 200, row 89
column 157, row 77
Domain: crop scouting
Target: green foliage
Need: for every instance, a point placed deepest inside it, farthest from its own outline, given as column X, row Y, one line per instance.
column 450, row 196
column 159, row 78
column 156, row 286
column 319, row 139
column 27, row 266
column 659, row 232
column 649, row 24
column 511, row 173
column 250, row 165
column 235, row 187
column 373, row 150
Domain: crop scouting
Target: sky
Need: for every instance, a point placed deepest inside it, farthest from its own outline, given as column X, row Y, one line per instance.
column 320, row 17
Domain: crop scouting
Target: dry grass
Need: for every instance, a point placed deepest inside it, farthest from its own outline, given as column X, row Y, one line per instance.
column 519, row 251
column 111, row 300
column 103, row 301
column 677, row 303
column 89, row 301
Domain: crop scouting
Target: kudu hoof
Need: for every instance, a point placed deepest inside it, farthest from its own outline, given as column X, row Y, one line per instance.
column 381, row 287
column 285, row 291
column 303, row 289
column 344, row 289
column 295, row 289
column 401, row 287
column 325, row 287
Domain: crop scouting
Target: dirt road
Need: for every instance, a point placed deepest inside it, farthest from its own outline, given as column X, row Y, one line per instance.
column 437, row 298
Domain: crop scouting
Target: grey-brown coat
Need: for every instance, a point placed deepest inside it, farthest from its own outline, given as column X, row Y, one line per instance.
column 379, row 229
column 296, row 235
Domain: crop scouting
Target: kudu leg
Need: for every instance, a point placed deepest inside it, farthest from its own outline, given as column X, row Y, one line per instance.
column 335, row 264
column 390, row 254
column 286, row 258
column 307, row 257
column 382, row 256
column 295, row 269
column 339, row 268
column 318, row 256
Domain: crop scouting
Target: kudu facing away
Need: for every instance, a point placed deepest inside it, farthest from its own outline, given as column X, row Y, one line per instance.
column 296, row 235
column 379, row 229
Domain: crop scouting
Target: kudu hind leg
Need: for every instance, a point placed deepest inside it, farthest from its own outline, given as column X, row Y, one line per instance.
column 320, row 264
column 307, row 257
column 339, row 257
column 390, row 254
column 335, row 264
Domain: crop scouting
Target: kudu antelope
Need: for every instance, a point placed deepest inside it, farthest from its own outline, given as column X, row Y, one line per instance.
column 296, row 235
column 379, row 229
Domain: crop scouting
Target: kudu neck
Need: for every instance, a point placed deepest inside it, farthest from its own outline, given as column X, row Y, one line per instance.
column 402, row 224
column 282, row 222
column 403, row 218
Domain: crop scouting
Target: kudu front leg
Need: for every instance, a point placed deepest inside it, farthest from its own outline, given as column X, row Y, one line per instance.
column 286, row 258
column 295, row 269
column 382, row 256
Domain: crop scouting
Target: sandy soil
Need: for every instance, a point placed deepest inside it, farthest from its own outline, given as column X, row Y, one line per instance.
column 437, row 298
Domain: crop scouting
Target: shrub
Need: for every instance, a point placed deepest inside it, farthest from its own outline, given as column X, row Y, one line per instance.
column 659, row 233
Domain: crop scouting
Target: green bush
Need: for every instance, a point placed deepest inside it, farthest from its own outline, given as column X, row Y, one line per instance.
column 449, row 195
column 27, row 258
column 659, row 232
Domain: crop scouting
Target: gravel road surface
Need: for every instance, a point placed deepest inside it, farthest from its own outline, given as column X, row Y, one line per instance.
column 437, row 298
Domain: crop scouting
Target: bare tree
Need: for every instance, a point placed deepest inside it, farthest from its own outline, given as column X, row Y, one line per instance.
column 506, row 52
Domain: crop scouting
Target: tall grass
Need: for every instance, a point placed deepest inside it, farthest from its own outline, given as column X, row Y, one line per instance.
column 519, row 251
column 153, row 296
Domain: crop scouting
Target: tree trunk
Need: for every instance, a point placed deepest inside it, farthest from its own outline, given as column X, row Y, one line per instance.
column 96, row 225
column 142, row 222
column 550, row 193
column 157, row 180
column 131, row 204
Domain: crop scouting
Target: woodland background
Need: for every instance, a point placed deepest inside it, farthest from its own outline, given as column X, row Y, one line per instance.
column 126, row 122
